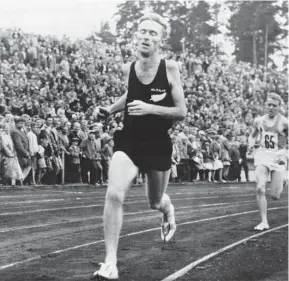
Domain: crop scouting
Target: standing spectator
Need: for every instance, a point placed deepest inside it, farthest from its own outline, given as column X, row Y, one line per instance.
column 51, row 149
column 175, row 159
column 41, row 160
column 199, row 162
column 21, row 144
column 217, row 165
column 243, row 161
column 91, row 152
column 74, row 165
column 182, row 167
column 33, row 148
column 208, row 161
column 107, row 152
column 234, row 173
column 192, row 152
column 10, row 165
column 225, row 156
column 76, row 132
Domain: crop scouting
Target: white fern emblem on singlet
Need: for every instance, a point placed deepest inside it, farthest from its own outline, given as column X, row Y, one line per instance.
column 156, row 98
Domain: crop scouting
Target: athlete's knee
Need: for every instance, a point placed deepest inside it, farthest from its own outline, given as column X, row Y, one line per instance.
column 115, row 196
column 155, row 205
column 260, row 190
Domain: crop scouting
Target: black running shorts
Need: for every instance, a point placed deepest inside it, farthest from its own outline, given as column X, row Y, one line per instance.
column 147, row 153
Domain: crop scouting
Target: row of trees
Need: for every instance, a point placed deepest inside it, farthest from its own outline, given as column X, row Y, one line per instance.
column 253, row 25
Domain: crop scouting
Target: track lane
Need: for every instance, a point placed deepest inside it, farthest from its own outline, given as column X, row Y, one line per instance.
column 86, row 232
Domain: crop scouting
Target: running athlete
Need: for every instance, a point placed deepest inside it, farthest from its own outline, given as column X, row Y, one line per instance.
column 153, row 101
column 271, row 157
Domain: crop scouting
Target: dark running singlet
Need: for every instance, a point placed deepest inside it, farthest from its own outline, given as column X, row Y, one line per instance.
column 158, row 92
column 145, row 139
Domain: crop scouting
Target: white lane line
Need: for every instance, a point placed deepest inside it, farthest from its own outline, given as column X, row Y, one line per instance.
column 5, row 230
column 88, row 194
column 100, row 205
column 32, row 201
column 190, row 266
column 128, row 235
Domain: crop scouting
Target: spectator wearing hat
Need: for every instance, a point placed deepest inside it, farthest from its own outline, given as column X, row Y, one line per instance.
column 74, row 162
column 21, row 144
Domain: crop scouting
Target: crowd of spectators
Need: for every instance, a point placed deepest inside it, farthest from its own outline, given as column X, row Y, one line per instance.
column 49, row 89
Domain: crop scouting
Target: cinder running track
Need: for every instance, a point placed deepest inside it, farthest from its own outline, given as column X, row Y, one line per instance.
column 55, row 234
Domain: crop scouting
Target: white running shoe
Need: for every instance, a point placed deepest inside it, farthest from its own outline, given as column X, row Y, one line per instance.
column 168, row 225
column 262, row 226
column 107, row 271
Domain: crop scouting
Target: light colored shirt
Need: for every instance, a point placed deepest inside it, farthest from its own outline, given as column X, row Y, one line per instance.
column 33, row 143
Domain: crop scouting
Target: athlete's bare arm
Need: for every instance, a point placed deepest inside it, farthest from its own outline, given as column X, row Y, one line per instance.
column 119, row 105
column 285, row 125
column 253, row 135
column 178, row 112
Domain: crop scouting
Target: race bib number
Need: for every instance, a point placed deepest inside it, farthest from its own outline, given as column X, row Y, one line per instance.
column 270, row 141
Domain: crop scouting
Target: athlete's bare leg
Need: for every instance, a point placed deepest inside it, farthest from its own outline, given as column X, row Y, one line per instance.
column 262, row 173
column 276, row 184
column 121, row 174
column 157, row 183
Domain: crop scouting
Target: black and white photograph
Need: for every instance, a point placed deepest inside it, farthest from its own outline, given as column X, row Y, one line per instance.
column 144, row 140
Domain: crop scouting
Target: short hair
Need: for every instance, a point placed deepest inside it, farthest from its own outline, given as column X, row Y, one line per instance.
column 275, row 97
column 19, row 119
column 158, row 19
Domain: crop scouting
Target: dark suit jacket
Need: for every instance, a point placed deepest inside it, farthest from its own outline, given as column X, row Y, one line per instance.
column 21, row 144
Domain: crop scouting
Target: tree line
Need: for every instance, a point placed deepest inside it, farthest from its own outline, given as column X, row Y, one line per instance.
column 255, row 27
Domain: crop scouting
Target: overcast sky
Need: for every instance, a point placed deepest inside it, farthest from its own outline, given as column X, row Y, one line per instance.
column 75, row 18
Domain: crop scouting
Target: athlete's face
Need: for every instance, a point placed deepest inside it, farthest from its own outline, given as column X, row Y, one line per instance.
column 149, row 37
column 273, row 107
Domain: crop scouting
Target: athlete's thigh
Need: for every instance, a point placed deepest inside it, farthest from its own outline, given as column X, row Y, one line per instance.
column 121, row 173
column 276, row 185
column 157, row 183
column 262, row 173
